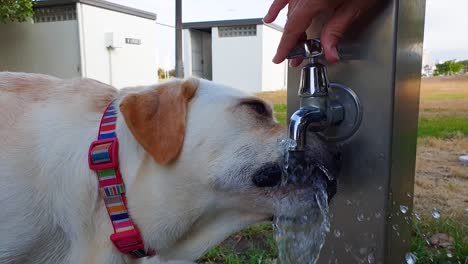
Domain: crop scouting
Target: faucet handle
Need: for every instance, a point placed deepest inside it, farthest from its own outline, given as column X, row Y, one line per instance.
column 309, row 49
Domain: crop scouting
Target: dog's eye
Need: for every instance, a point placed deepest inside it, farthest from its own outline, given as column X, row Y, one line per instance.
column 258, row 106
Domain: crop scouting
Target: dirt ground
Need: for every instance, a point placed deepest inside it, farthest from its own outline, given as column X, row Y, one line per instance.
column 441, row 180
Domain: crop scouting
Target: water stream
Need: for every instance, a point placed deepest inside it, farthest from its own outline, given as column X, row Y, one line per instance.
column 301, row 221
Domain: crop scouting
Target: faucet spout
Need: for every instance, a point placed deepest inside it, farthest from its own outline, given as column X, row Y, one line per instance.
column 307, row 117
column 323, row 104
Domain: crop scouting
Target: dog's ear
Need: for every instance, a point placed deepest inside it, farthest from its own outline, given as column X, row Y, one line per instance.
column 157, row 118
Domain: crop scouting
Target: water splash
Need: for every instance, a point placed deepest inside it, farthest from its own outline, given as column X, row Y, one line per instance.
column 301, row 218
column 300, row 227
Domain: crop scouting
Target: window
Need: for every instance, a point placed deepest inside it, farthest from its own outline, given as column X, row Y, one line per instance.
column 54, row 13
column 237, row 31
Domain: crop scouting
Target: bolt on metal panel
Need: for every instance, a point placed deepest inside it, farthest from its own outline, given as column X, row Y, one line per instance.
column 381, row 62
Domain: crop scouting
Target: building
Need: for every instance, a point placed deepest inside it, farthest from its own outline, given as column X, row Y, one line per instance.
column 83, row 38
column 428, row 66
column 234, row 52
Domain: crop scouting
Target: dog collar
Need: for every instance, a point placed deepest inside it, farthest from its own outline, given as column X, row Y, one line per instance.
column 103, row 158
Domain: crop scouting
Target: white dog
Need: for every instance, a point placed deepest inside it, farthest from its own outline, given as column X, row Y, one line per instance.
column 198, row 160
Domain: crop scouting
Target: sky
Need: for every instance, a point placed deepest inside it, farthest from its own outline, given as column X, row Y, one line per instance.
column 445, row 32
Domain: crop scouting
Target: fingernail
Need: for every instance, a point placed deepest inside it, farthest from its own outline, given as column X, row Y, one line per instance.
column 334, row 53
column 275, row 59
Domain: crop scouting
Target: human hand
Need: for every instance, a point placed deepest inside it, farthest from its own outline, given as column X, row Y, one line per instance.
column 300, row 16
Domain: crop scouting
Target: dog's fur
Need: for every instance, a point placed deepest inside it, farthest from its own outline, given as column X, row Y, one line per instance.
column 188, row 150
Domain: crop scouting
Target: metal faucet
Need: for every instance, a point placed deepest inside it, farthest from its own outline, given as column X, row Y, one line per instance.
column 317, row 112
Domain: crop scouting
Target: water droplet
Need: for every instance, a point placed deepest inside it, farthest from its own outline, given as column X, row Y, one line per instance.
column 398, row 234
column 337, row 233
column 403, row 209
column 449, row 254
column 348, row 202
column 435, row 213
column 409, row 195
column 360, row 217
column 407, row 220
column 410, row 258
column 417, row 216
column 380, row 188
column 371, row 258
column 348, row 248
column 378, row 215
column 395, row 227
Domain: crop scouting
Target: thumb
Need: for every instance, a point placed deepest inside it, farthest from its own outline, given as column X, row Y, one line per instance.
column 334, row 30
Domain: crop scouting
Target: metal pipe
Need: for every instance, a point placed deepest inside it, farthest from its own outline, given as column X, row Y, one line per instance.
column 377, row 174
column 179, row 67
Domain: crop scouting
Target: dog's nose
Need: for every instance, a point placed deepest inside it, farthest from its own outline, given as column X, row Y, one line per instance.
column 268, row 176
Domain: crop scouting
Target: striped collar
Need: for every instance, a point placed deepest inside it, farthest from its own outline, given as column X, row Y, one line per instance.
column 104, row 160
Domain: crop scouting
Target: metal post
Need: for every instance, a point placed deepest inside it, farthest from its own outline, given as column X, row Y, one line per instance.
column 377, row 177
column 179, row 67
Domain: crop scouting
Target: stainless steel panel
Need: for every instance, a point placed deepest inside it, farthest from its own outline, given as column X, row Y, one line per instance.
column 382, row 65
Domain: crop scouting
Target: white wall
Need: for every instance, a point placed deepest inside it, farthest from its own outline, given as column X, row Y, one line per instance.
column 187, row 52
column 273, row 75
column 49, row 48
column 237, row 61
column 127, row 66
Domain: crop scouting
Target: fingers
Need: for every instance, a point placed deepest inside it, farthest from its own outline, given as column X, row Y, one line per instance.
column 299, row 19
column 274, row 10
column 295, row 62
column 334, row 30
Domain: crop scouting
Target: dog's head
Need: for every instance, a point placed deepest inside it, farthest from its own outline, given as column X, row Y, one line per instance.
column 212, row 163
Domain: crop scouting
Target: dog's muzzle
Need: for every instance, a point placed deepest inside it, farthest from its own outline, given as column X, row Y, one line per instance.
column 268, row 176
column 301, row 172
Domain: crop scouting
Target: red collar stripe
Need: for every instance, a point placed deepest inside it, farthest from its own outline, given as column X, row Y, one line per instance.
column 103, row 158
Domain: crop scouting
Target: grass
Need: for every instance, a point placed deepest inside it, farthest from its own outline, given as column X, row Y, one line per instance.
column 442, row 128
column 253, row 245
column 435, row 97
column 427, row 253
column 280, row 113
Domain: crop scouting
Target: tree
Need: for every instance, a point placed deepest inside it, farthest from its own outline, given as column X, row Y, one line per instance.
column 448, row 68
column 465, row 65
column 15, row 10
column 165, row 74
